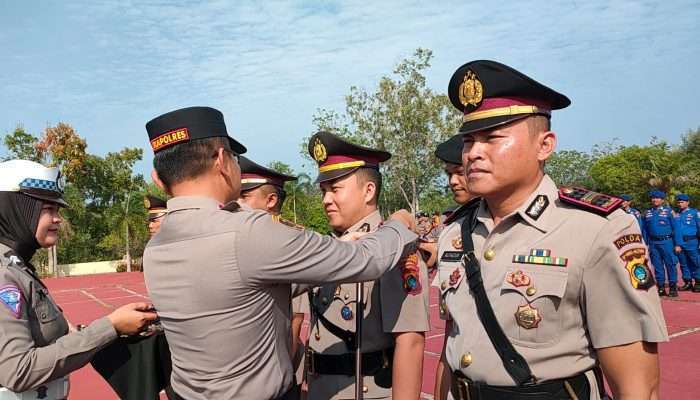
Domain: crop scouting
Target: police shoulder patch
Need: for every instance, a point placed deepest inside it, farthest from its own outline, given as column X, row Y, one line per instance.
column 11, row 297
column 589, row 200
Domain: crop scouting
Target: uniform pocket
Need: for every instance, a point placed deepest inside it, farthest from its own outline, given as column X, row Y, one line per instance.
column 45, row 309
column 528, row 307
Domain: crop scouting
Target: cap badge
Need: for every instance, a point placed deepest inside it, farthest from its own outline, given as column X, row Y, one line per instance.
column 147, row 203
column 471, row 91
column 320, row 153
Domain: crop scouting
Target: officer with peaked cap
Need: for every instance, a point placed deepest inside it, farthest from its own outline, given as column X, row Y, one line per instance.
column 662, row 236
column 688, row 223
column 38, row 351
column 262, row 188
column 157, row 208
column 392, row 310
column 220, row 274
column 553, row 283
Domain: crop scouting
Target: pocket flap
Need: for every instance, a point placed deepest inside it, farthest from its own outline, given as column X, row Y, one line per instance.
column 535, row 283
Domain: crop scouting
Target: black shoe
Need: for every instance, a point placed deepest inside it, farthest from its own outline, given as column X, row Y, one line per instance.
column 687, row 285
column 672, row 290
column 696, row 288
column 662, row 292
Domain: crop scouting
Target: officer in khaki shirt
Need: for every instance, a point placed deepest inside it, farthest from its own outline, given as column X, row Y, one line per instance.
column 220, row 274
column 395, row 306
column 565, row 272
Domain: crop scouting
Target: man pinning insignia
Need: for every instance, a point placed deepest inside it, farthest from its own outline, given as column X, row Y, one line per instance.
column 220, row 273
column 391, row 312
column 542, row 301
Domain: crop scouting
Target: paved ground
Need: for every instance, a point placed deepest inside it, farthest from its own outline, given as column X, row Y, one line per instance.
column 86, row 298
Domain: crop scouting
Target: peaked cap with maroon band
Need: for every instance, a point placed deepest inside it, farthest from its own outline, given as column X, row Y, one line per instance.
column 450, row 151
column 492, row 94
column 337, row 157
column 187, row 124
column 254, row 175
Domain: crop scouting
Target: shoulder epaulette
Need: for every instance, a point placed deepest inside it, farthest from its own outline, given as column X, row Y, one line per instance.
column 462, row 210
column 231, row 206
column 589, row 200
column 290, row 224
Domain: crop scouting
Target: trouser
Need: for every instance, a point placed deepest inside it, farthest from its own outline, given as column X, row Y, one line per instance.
column 689, row 258
column 55, row 390
column 663, row 260
column 292, row 394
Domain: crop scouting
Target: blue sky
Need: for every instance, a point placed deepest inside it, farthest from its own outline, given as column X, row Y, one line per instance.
column 107, row 67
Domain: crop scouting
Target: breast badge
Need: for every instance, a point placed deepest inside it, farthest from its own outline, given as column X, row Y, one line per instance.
column 518, row 279
column 527, row 316
column 457, row 243
column 346, row 313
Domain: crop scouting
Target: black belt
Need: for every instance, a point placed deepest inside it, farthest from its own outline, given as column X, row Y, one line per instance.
column 290, row 395
column 344, row 364
column 662, row 237
column 689, row 238
column 576, row 387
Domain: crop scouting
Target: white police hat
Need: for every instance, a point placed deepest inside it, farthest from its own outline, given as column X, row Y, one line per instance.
column 32, row 179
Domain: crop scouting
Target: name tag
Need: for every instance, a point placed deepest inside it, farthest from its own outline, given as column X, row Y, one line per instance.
column 451, row 256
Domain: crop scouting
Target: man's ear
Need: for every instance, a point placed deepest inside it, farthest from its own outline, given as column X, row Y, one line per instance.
column 158, row 182
column 547, row 145
column 370, row 190
column 220, row 160
column 272, row 200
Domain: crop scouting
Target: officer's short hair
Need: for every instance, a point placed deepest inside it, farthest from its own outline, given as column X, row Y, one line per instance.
column 187, row 160
column 538, row 123
column 365, row 175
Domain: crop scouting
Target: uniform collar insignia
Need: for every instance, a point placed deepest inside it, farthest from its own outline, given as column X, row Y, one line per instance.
column 537, row 207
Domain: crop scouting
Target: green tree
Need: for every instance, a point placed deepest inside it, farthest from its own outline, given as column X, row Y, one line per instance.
column 570, row 168
column 21, row 145
column 404, row 117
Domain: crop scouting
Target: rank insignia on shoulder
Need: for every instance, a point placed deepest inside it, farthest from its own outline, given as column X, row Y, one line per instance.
column 11, row 297
column 290, row 224
column 589, row 200
column 541, row 257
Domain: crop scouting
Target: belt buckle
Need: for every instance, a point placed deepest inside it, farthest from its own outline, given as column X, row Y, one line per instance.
column 310, row 364
column 463, row 389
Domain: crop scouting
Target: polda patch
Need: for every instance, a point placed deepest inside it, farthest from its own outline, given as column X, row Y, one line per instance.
column 625, row 240
column 11, row 297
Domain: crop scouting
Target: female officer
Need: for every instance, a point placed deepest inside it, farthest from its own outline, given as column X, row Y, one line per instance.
column 37, row 352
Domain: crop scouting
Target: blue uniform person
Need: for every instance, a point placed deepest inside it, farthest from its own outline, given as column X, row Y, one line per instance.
column 688, row 222
column 659, row 224
column 627, row 207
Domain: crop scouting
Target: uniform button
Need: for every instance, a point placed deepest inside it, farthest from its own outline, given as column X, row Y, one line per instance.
column 365, row 389
column 531, row 291
column 466, row 360
column 347, row 296
column 317, row 336
column 43, row 315
column 443, row 285
column 490, row 254
column 324, row 301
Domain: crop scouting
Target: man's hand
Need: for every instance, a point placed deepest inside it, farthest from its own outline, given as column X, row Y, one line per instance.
column 430, row 249
column 132, row 318
column 678, row 249
column 405, row 218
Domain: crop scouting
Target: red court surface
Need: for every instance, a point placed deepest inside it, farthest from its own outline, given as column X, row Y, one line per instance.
column 86, row 298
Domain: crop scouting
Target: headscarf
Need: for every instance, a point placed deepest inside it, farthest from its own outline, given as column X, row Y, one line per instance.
column 19, row 219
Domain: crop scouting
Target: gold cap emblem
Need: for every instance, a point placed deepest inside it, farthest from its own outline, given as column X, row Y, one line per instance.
column 146, row 203
column 471, row 91
column 320, row 153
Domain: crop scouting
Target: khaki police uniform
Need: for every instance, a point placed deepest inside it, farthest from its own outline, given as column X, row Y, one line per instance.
column 220, row 281
column 389, row 308
column 562, row 282
column 38, row 353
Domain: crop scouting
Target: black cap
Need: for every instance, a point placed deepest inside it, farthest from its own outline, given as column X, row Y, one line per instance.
column 337, row 157
column 154, row 203
column 186, row 124
column 450, row 151
column 490, row 94
column 254, row 175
